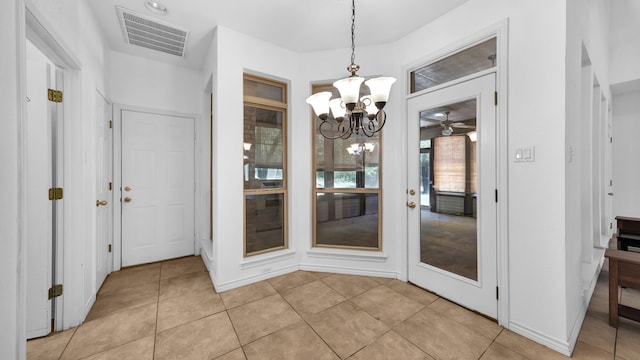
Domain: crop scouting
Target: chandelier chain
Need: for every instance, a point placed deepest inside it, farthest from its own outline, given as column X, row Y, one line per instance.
column 353, row 32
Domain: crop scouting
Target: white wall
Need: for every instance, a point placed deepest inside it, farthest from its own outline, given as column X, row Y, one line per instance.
column 153, row 84
column 237, row 53
column 588, row 24
column 625, row 48
column 535, row 98
column 626, row 149
column 12, row 267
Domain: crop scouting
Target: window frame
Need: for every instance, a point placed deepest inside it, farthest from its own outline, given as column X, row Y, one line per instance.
column 280, row 106
column 316, row 190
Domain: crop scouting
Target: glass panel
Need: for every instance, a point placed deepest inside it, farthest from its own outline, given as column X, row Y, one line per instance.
column 348, row 163
column 264, row 222
column 263, row 90
column 425, row 178
column 448, row 216
column 466, row 62
column 263, row 152
column 347, row 219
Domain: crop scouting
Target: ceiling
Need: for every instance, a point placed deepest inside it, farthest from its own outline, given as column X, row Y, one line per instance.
column 298, row 25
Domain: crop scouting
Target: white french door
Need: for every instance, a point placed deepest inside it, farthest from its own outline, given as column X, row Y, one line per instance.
column 452, row 239
column 104, row 190
column 157, row 187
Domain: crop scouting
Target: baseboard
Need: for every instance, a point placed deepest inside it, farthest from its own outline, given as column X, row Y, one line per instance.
column 87, row 307
column 349, row 271
column 230, row 285
column 206, row 254
column 562, row 347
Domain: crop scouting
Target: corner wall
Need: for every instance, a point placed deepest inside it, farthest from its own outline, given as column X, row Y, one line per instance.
column 12, row 266
column 535, row 200
column 588, row 26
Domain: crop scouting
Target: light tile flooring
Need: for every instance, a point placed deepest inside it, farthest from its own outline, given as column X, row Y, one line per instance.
column 169, row 310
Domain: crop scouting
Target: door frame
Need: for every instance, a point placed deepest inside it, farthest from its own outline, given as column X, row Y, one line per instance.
column 100, row 95
column 500, row 31
column 117, row 176
column 70, row 212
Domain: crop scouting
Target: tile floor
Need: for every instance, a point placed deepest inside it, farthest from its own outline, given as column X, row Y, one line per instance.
column 170, row 310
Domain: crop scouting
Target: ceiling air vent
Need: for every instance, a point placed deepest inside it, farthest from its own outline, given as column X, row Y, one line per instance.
column 148, row 32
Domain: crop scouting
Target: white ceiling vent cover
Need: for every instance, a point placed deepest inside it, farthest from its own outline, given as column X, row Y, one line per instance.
column 152, row 34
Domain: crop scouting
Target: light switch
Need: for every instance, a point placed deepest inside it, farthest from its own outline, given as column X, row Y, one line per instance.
column 525, row 154
column 518, row 154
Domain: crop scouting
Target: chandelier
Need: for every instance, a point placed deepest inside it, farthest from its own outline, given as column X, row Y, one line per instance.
column 359, row 148
column 352, row 113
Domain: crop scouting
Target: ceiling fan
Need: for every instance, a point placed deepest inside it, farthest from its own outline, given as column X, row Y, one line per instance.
column 448, row 125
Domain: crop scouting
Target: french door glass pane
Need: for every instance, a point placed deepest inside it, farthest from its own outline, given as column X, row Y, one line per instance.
column 448, row 223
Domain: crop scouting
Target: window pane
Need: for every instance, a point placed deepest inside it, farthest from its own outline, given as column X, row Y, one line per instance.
column 347, row 219
column 263, row 146
column 450, row 164
column 466, row 62
column 349, row 163
column 263, row 90
column 264, row 222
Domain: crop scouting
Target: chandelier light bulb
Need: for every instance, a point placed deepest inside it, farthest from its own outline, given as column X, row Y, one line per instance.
column 337, row 109
column 349, row 90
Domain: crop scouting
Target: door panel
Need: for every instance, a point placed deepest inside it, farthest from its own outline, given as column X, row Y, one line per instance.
column 104, row 193
column 452, row 239
column 39, row 209
column 158, row 187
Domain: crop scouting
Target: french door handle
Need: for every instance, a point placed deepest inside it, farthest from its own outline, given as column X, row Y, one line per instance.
column 127, row 199
column 103, row 203
column 411, row 205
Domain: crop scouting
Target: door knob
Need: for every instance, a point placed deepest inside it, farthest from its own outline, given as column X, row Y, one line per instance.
column 127, row 188
column 127, row 199
column 103, row 202
column 610, row 194
column 411, row 205
column 412, row 192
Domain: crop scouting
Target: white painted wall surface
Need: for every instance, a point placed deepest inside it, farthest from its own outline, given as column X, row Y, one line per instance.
column 625, row 49
column 12, row 267
column 238, row 53
column 155, row 85
column 626, row 150
column 588, row 24
column 537, row 284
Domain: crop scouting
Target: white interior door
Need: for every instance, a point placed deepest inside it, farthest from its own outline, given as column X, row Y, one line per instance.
column 104, row 187
column 157, row 187
column 452, row 239
column 39, row 210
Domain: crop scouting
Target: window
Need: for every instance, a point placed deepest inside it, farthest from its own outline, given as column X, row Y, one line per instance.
column 346, row 195
column 264, row 170
column 469, row 61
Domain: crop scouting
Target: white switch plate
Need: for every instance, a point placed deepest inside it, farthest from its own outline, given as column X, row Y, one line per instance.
column 525, row 154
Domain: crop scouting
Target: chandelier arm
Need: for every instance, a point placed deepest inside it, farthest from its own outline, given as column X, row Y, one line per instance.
column 342, row 131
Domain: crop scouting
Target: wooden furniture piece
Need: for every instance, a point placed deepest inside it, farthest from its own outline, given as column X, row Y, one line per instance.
column 624, row 270
column 628, row 232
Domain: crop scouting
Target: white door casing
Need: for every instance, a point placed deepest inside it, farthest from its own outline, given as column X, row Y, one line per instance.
column 104, row 193
column 157, row 187
column 477, row 295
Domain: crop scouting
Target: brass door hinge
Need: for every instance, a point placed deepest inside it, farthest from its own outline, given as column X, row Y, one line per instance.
column 110, row 124
column 55, row 193
column 495, row 98
column 55, row 95
column 110, row 186
column 55, row 291
column 109, row 247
